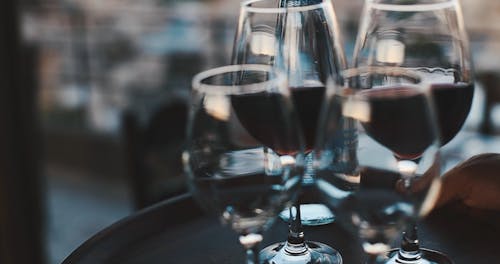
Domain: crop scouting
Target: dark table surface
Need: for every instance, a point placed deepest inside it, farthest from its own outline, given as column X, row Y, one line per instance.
column 177, row 231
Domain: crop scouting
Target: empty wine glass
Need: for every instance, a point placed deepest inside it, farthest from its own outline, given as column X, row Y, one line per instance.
column 428, row 36
column 301, row 38
column 395, row 176
column 243, row 156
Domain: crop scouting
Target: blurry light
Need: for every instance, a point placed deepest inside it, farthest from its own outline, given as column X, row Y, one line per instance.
column 217, row 106
column 250, row 239
column 287, row 160
column 376, row 248
column 390, row 51
column 73, row 96
column 263, row 43
column 407, row 167
column 357, row 109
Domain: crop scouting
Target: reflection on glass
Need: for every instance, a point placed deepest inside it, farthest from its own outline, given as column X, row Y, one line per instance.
column 395, row 175
column 427, row 36
column 243, row 156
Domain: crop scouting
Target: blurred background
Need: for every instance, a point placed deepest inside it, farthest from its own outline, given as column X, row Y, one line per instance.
column 94, row 105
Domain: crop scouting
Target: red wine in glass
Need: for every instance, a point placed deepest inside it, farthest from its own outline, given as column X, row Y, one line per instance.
column 263, row 117
column 308, row 101
column 399, row 120
column 452, row 103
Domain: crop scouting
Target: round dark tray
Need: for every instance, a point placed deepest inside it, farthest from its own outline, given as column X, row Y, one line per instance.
column 177, row 231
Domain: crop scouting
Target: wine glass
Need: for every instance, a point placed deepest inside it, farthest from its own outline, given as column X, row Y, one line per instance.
column 243, row 156
column 394, row 176
column 302, row 38
column 427, row 36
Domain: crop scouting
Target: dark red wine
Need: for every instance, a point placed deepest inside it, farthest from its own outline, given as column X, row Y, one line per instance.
column 308, row 101
column 399, row 120
column 453, row 103
column 263, row 116
column 266, row 118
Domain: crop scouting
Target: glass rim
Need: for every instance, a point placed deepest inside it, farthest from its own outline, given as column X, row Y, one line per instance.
column 280, row 10
column 411, row 7
column 392, row 70
column 278, row 80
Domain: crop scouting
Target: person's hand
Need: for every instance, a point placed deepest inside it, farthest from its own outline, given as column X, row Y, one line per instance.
column 474, row 182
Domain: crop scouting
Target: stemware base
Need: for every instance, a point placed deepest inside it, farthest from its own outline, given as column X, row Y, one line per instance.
column 313, row 253
column 311, row 215
column 428, row 257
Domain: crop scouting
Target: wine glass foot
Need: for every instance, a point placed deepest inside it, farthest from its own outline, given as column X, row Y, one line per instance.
column 428, row 257
column 315, row 253
column 311, row 215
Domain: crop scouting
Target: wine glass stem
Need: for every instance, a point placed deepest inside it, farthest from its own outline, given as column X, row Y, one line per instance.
column 295, row 243
column 253, row 255
column 251, row 243
column 296, row 239
column 409, row 250
column 295, row 234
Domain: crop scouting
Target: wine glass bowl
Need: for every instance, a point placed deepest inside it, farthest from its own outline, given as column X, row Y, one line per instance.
column 243, row 161
column 428, row 33
column 428, row 36
column 302, row 39
column 395, row 174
